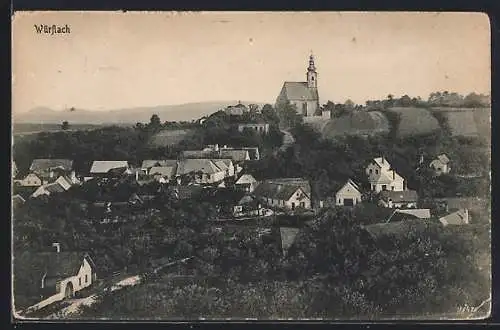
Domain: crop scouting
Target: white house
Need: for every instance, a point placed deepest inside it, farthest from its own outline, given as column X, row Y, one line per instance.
column 30, row 180
column 202, row 170
column 348, row 195
column 262, row 128
column 441, row 165
column 64, row 182
column 283, row 195
column 382, row 177
column 246, row 182
column 226, row 165
column 60, row 274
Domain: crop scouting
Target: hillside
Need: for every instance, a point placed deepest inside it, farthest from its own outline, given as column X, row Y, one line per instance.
column 359, row 123
column 415, row 121
column 467, row 121
column 180, row 112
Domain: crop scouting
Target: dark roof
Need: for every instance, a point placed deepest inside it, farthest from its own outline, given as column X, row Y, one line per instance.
column 199, row 154
column 236, row 154
column 104, row 166
column 54, row 188
column 59, row 265
column 303, row 183
column 40, row 165
column 276, row 190
column 399, row 196
column 299, row 91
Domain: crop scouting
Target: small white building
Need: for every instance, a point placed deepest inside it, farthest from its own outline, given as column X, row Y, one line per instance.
column 441, row 165
column 383, row 177
column 30, row 180
column 348, row 195
column 60, row 274
column 283, row 195
column 246, row 182
column 406, row 199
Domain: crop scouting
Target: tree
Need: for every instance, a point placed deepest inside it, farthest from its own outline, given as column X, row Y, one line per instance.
column 154, row 123
column 65, row 125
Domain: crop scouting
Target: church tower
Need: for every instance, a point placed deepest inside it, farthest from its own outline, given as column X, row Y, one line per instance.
column 312, row 75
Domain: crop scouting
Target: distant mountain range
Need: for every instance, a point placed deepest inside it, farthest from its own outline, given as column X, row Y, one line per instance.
column 180, row 112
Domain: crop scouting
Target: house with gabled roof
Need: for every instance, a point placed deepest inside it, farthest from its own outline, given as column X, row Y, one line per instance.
column 202, row 170
column 163, row 174
column 348, row 195
column 149, row 163
column 50, row 169
column 246, row 182
column 405, row 199
column 113, row 168
column 30, row 180
column 382, row 176
column 441, row 164
column 58, row 275
column 225, row 164
column 283, row 195
column 48, row 190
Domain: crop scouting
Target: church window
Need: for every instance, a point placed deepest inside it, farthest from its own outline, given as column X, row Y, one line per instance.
column 371, row 171
column 312, row 78
column 376, row 171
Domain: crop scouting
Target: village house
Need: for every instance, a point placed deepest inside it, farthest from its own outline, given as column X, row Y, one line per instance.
column 284, row 195
column 398, row 199
column 460, row 217
column 199, row 154
column 163, row 174
column 202, row 171
column 253, row 152
column 109, row 168
column 150, row 163
column 236, row 110
column 50, row 169
column 246, row 182
column 303, row 95
column 441, row 165
column 348, row 195
column 383, row 177
column 59, row 274
column 262, row 128
column 48, row 190
column 226, row 165
column 250, row 206
column 30, row 180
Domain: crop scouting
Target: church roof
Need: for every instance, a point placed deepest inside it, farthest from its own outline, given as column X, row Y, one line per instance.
column 295, row 90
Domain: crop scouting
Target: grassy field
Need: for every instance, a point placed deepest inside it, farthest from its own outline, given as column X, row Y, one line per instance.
column 170, row 137
column 415, row 121
column 468, row 121
column 359, row 123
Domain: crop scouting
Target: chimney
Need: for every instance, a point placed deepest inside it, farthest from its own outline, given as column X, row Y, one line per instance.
column 466, row 216
column 393, row 175
column 136, row 175
column 216, row 147
column 382, row 159
column 57, row 246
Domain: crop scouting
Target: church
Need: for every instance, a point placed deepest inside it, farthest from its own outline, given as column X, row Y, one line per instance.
column 304, row 95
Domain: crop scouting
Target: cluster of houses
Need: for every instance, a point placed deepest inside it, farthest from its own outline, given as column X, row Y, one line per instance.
column 223, row 167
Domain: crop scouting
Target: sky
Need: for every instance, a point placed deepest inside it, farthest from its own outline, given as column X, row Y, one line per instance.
column 123, row 60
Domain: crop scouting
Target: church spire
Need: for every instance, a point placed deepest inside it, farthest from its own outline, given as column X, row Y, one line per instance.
column 311, row 73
